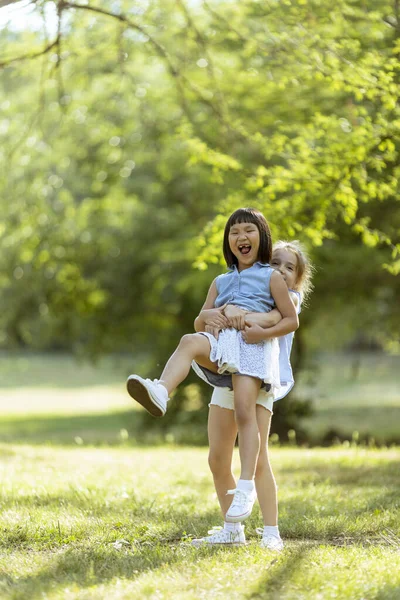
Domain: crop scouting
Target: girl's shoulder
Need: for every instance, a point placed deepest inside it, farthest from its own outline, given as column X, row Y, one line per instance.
column 225, row 275
column 296, row 299
column 223, row 280
column 264, row 271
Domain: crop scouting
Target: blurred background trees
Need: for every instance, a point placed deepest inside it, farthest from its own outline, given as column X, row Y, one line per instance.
column 129, row 133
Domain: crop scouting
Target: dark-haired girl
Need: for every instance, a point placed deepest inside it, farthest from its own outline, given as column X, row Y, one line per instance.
column 249, row 355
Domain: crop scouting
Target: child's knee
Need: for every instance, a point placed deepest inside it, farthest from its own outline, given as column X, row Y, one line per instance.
column 244, row 413
column 218, row 463
column 189, row 340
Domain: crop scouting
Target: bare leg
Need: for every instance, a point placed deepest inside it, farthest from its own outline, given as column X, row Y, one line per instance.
column 193, row 346
column 265, row 480
column 222, row 432
column 246, row 390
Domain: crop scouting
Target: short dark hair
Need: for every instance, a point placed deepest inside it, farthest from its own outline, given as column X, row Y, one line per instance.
column 249, row 215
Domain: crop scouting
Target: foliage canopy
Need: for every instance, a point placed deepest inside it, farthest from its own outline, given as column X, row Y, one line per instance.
column 130, row 132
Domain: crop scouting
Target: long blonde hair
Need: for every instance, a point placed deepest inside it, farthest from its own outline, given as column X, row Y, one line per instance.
column 305, row 268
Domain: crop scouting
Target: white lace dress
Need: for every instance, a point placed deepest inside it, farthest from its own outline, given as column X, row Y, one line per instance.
column 233, row 355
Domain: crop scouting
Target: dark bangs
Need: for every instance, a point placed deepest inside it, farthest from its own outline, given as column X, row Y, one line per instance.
column 249, row 215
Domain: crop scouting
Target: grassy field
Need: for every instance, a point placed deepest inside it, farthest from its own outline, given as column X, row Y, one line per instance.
column 87, row 514
column 116, row 523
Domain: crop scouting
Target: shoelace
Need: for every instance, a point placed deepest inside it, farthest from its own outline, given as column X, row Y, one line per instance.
column 240, row 496
column 219, row 533
column 157, row 382
column 216, row 529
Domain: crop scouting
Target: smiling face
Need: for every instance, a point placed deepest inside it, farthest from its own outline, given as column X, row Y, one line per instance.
column 246, row 227
column 244, row 243
column 286, row 263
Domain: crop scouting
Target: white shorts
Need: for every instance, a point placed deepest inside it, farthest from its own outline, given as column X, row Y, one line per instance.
column 223, row 397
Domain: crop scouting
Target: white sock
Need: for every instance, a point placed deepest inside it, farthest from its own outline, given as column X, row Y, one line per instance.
column 246, row 485
column 271, row 530
column 160, row 382
column 232, row 527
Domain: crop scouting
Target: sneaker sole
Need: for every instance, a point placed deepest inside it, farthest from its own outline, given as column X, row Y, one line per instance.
column 140, row 393
column 208, row 545
column 238, row 518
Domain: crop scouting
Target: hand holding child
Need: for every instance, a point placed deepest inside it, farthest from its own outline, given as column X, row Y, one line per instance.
column 253, row 333
column 236, row 316
column 214, row 320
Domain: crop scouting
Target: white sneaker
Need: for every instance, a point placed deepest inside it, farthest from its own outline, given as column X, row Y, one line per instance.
column 270, row 541
column 219, row 537
column 242, row 505
column 152, row 395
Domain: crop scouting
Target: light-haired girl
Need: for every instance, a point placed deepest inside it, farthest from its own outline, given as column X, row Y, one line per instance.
column 249, row 354
column 290, row 259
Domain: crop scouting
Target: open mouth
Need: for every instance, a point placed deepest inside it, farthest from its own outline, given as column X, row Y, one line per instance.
column 244, row 248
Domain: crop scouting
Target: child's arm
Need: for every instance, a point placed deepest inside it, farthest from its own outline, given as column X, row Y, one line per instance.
column 211, row 319
column 271, row 318
column 264, row 320
column 253, row 333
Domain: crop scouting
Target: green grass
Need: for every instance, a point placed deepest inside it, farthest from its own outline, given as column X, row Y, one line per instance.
column 63, row 511
column 86, row 513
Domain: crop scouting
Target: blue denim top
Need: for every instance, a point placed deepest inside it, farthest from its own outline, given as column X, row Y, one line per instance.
column 249, row 289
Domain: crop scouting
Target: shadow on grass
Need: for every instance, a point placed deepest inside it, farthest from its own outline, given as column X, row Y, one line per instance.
column 271, row 584
column 90, row 561
column 353, row 475
column 88, row 567
column 99, row 562
column 389, row 592
column 130, row 427
column 112, row 509
column 283, row 570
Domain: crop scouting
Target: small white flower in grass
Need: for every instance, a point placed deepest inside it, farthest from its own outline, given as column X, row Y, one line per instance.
column 118, row 544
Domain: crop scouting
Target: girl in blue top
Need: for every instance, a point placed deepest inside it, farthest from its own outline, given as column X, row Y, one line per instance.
column 292, row 262
column 251, row 285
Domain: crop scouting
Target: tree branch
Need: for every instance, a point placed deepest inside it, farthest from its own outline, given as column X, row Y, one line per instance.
column 28, row 56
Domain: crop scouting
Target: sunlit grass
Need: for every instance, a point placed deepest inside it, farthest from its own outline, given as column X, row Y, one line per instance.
column 88, row 514
column 116, row 523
